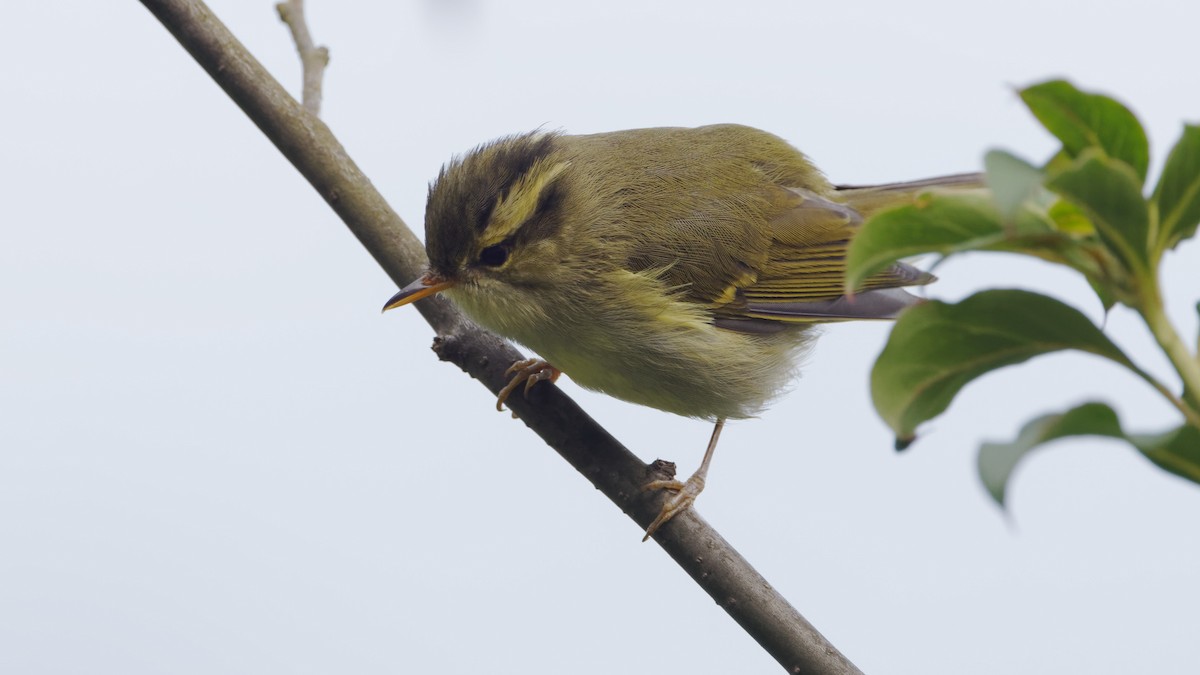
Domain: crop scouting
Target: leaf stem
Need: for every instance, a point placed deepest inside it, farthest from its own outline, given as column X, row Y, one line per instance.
column 1186, row 363
column 1198, row 333
column 1189, row 412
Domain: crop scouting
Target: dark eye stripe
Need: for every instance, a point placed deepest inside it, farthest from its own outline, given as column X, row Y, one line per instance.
column 547, row 216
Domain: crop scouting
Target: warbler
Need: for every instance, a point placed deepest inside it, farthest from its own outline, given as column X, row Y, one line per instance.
column 679, row 268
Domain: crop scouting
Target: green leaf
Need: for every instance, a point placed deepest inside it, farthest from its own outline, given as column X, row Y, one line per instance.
column 936, row 224
column 937, row 348
column 1012, row 180
column 1082, row 120
column 946, row 224
column 1111, row 196
column 1178, row 191
column 998, row 460
column 1177, row 451
column 1061, row 160
column 1104, row 293
column 1089, row 256
column 1068, row 218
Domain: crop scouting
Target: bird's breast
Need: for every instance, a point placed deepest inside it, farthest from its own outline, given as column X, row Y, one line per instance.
column 626, row 336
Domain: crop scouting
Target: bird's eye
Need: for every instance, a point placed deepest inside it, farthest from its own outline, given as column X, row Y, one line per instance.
column 493, row 256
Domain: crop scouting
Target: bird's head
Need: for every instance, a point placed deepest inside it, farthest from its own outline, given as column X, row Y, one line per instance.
column 493, row 220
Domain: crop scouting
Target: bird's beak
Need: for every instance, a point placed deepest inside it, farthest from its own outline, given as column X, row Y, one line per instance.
column 427, row 285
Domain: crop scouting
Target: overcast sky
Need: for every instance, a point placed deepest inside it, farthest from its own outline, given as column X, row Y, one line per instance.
column 217, row 457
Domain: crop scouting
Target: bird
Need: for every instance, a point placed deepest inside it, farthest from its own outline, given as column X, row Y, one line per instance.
column 683, row 269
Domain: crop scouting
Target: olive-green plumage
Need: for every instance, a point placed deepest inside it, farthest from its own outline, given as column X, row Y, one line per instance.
column 677, row 268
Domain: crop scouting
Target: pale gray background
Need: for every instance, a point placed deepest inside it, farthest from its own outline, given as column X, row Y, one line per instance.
column 217, row 457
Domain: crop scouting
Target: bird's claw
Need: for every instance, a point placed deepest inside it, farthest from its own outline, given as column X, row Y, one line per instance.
column 685, row 494
column 529, row 371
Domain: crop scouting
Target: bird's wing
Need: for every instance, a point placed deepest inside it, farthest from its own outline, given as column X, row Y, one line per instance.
column 803, row 277
column 759, row 263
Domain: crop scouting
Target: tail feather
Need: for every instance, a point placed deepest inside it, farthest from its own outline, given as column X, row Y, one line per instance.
column 766, row 318
column 882, row 303
column 867, row 199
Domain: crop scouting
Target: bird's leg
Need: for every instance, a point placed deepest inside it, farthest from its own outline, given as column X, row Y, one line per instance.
column 529, row 371
column 686, row 492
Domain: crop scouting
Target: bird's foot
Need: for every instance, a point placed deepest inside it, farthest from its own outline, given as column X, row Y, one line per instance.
column 685, row 493
column 529, row 371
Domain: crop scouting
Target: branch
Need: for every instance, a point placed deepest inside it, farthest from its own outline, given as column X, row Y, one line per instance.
column 311, row 148
column 313, row 59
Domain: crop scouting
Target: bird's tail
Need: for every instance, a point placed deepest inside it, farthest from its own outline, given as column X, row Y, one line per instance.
column 867, row 199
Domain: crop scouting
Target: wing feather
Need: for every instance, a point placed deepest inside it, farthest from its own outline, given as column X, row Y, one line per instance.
column 801, row 280
column 763, row 243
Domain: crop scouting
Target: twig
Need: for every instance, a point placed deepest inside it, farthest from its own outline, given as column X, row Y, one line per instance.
column 313, row 59
column 619, row 474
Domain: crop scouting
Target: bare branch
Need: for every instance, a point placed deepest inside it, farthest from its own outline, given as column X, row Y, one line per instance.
column 313, row 59
column 618, row 473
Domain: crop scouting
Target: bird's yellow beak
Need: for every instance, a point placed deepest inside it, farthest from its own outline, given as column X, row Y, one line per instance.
column 427, row 285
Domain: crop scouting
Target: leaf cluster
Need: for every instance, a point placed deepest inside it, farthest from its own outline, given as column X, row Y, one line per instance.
column 1089, row 209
